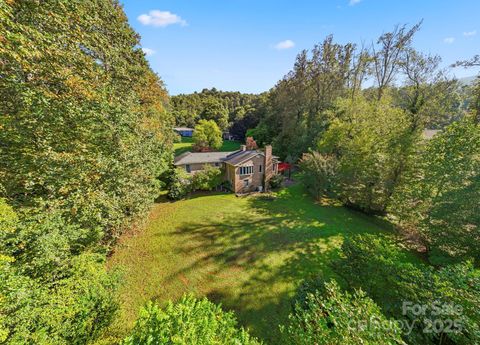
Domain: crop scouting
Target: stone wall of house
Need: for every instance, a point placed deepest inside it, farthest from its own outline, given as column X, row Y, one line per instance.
column 255, row 179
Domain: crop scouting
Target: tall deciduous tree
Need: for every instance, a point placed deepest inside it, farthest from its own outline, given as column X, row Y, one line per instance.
column 207, row 135
column 366, row 139
column 475, row 103
column 438, row 193
column 387, row 54
column 84, row 136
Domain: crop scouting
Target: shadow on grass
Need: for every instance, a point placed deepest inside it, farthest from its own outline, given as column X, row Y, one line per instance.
column 268, row 247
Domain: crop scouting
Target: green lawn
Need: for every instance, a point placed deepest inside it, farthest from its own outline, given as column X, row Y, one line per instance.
column 247, row 253
column 187, row 143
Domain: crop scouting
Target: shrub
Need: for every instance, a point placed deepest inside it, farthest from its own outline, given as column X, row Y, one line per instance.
column 207, row 179
column 251, row 144
column 276, row 181
column 337, row 317
column 180, row 184
column 307, row 287
column 71, row 310
column 189, row 321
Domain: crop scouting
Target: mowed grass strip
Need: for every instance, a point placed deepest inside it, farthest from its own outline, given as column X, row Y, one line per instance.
column 247, row 253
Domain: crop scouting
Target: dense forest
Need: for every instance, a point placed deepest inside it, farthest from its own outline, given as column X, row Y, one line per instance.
column 86, row 141
column 232, row 111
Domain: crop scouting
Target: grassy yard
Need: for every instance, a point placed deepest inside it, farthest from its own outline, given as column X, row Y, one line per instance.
column 187, row 143
column 247, row 253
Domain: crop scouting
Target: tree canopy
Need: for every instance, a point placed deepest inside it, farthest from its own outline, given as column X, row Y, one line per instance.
column 85, row 133
column 207, row 136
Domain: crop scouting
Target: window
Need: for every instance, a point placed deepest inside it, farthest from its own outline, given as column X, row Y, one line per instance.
column 246, row 170
column 246, row 183
column 187, row 168
column 259, row 168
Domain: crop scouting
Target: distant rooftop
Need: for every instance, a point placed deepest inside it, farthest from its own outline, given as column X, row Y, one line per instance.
column 183, row 129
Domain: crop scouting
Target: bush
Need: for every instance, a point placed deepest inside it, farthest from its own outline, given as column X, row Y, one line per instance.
column 306, row 288
column 189, row 321
column 207, row 179
column 72, row 310
column 337, row 317
column 276, row 181
column 180, row 184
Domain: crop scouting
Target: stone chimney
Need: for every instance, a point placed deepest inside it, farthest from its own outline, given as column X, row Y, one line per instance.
column 268, row 166
column 243, row 148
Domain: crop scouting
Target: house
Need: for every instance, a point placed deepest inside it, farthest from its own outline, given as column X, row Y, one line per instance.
column 246, row 170
column 184, row 131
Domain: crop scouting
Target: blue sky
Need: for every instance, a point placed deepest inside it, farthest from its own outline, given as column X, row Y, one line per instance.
column 248, row 45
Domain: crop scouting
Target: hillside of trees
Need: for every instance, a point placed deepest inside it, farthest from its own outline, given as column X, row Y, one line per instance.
column 233, row 112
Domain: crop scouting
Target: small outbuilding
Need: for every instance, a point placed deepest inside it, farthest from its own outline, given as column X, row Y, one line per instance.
column 184, row 131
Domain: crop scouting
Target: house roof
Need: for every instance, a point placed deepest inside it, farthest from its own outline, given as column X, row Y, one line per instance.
column 200, row 157
column 241, row 156
column 234, row 157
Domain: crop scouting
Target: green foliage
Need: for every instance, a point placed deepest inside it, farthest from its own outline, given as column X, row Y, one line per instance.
column 228, row 109
column 371, row 142
column 207, row 179
column 82, row 114
column 71, row 310
column 297, row 107
column 8, row 219
column 213, row 110
column 180, row 184
column 382, row 269
column 189, row 321
column 318, row 173
column 337, row 317
column 436, row 196
column 207, row 135
column 276, row 181
column 84, row 135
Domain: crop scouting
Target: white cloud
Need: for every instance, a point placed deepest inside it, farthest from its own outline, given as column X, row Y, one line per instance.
column 354, row 2
column 148, row 51
column 449, row 40
column 470, row 33
column 160, row 18
column 287, row 44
